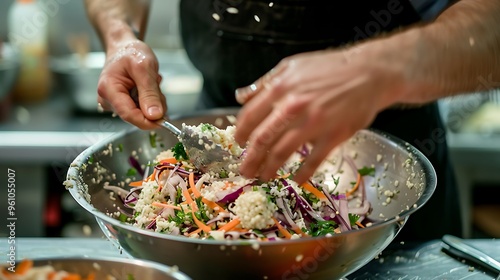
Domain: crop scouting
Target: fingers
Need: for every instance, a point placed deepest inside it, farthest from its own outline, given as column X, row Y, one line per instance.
column 281, row 152
column 133, row 66
column 261, row 98
column 115, row 97
column 103, row 105
column 245, row 94
column 283, row 118
column 321, row 149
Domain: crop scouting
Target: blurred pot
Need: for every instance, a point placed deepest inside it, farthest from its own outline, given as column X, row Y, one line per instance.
column 181, row 82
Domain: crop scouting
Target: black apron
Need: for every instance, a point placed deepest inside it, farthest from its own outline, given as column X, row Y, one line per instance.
column 234, row 42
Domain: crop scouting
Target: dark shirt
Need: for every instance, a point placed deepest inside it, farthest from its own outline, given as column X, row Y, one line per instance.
column 232, row 50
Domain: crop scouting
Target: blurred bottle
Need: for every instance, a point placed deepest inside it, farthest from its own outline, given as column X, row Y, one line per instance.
column 27, row 27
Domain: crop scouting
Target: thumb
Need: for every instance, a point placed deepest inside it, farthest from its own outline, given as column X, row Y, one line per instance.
column 151, row 99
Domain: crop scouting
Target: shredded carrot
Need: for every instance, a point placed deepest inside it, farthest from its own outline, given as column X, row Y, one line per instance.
column 193, row 185
column 136, row 183
column 283, row 230
column 299, row 231
column 213, row 205
column 230, row 225
column 189, row 199
column 24, row 266
column 360, row 224
column 356, row 186
column 5, row 272
column 164, row 205
column 171, row 160
column 91, row 276
column 140, row 182
column 310, row 188
column 51, row 275
column 72, row 277
column 200, row 224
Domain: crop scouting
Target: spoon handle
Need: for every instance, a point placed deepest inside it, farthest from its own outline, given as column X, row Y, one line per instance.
column 169, row 126
column 460, row 248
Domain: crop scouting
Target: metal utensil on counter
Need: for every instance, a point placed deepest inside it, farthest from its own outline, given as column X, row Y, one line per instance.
column 203, row 153
column 457, row 247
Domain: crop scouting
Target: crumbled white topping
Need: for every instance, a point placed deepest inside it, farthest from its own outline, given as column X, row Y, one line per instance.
column 254, row 209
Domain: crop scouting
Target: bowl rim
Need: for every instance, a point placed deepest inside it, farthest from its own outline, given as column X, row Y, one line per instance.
column 73, row 177
column 125, row 261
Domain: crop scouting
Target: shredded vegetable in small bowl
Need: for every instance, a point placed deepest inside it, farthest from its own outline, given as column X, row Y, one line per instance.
column 149, row 200
column 79, row 268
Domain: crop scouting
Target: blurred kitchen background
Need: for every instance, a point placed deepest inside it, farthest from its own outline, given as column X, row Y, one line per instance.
column 41, row 134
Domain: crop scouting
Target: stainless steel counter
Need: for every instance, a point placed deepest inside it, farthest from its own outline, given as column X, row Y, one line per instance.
column 399, row 261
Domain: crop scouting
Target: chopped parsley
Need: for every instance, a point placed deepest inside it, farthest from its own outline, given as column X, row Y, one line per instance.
column 321, row 228
column 201, row 214
column 223, row 174
column 370, row 171
column 152, row 139
column 131, row 171
column 120, row 147
column 353, row 218
column 311, row 198
column 180, row 217
column 90, row 160
column 336, row 180
column 178, row 195
column 179, row 152
column 207, row 127
column 123, row 218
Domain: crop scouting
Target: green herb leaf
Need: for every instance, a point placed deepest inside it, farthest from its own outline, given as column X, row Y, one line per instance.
column 223, row 174
column 130, row 277
column 370, row 171
column 90, row 160
column 152, row 139
column 353, row 218
column 122, row 217
column 336, row 180
column 179, row 152
column 120, row 147
column 322, row 228
column 206, row 127
column 131, row 172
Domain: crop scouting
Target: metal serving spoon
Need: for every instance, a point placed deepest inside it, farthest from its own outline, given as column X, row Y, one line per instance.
column 457, row 247
column 215, row 159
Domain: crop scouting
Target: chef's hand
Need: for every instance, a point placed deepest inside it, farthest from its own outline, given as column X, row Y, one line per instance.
column 321, row 98
column 132, row 64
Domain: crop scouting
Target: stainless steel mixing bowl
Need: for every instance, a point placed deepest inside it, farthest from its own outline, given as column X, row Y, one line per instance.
column 120, row 269
column 399, row 168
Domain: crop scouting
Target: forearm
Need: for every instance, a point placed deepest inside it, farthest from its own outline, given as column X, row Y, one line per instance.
column 118, row 21
column 459, row 52
column 468, row 34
